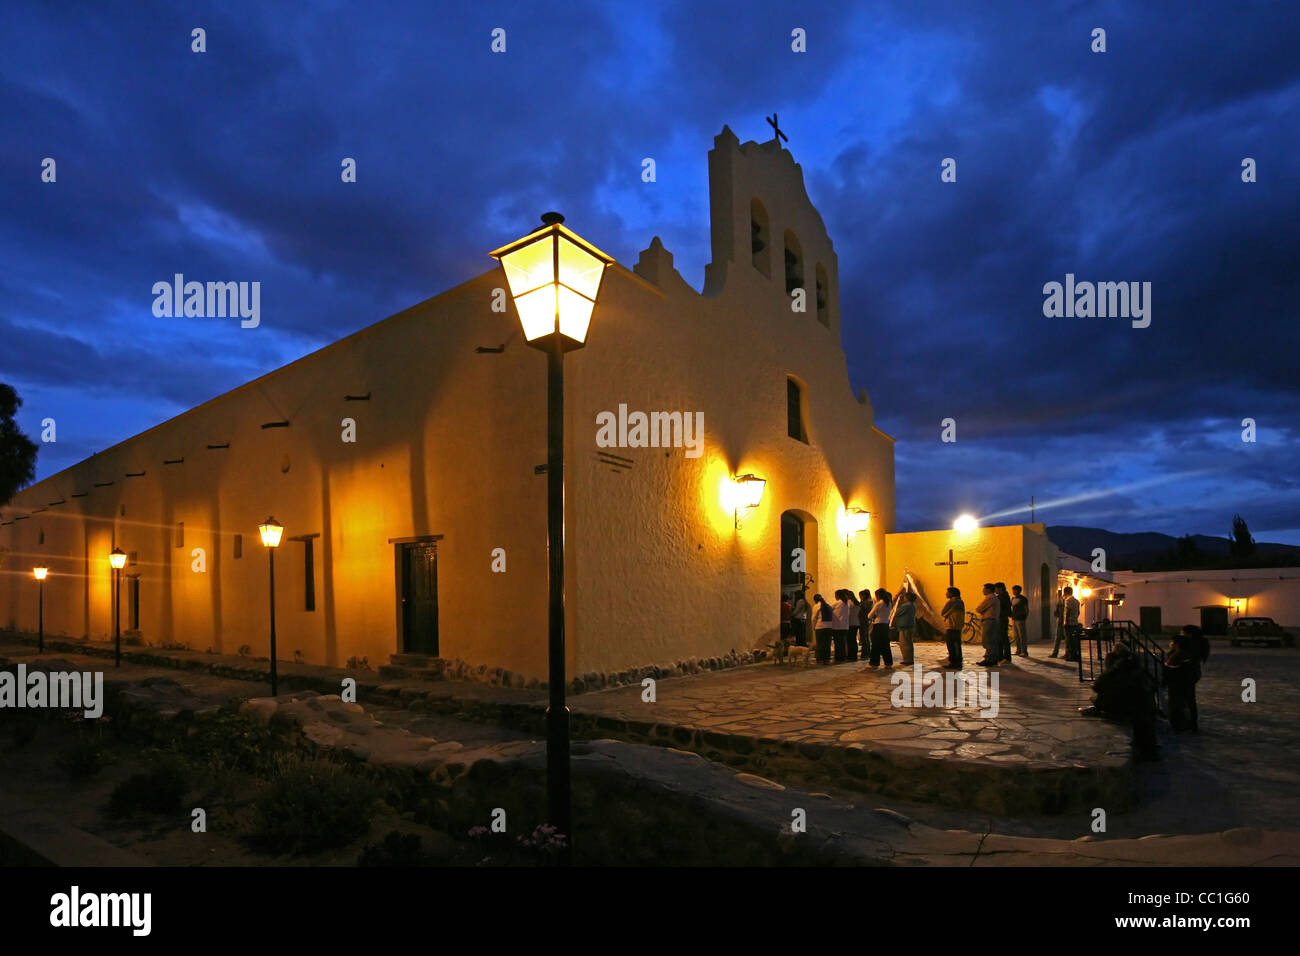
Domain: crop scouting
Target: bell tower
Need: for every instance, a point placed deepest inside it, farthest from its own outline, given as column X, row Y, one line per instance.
column 765, row 229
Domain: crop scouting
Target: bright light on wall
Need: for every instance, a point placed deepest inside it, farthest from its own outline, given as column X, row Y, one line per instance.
column 855, row 522
column 117, row 559
column 746, row 493
column 1085, row 592
column 965, row 523
column 40, row 573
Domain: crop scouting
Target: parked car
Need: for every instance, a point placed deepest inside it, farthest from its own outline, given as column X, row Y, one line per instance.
column 1259, row 630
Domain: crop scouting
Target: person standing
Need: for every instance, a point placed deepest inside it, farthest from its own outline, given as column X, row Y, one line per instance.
column 1019, row 618
column 799, row 621
column 787, row 609
column 822, row 625
column 1192, row 651
column 1004, row 622
column 840, row 626
column 864, row 618
column 988, row 612
column 904, row 620
column 1071, row 624
column 954, row 617
column 855, row 623
column 1059, row 615
column 879, row 618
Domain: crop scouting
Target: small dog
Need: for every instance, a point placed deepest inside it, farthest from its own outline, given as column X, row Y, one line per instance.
column 791, row 651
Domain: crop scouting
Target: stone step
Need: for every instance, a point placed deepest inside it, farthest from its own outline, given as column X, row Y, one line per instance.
column 412, row 660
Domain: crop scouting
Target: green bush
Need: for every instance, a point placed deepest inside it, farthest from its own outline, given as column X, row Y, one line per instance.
column 84, row 759
column 160, row 789
column 234, row 742
column 397, row 849
column 313, row 805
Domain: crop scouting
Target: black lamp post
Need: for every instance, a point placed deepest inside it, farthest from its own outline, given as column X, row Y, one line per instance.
column 554, row 278
column 271, row 530
column 39, row 574
column 117, row 560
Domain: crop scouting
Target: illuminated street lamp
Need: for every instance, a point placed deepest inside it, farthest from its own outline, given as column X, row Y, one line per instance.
column 117, row 561
column 271, row 530
column 554, row 277
column 39, row 574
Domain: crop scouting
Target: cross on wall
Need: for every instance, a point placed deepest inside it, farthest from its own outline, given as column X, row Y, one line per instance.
column 950, row 563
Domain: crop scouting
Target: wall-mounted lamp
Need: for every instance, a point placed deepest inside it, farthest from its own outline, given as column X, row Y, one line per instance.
column 855, row 523
column 746, row 493
column 1085, row 592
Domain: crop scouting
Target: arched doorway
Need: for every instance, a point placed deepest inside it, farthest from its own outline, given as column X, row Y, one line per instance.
column 1045, row 604
column 798, row 569
column 798, row 552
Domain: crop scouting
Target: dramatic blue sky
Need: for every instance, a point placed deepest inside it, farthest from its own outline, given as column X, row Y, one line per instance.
column 1117, row 166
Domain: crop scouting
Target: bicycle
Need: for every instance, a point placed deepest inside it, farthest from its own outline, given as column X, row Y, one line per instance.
column 972, row 632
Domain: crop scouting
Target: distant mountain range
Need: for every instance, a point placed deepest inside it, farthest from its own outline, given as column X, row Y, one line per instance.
column 1149, row 551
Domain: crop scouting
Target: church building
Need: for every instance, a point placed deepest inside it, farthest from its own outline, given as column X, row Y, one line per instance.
column 405, row 463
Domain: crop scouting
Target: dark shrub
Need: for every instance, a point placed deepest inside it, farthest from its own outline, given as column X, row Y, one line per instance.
column 398, row 849
column 83, row 759
column 313, row 805
column 160, row 789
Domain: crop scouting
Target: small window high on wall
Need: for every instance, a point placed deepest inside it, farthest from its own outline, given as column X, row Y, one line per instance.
column 823, row 297
column 793, row 263
column 760, row 238
column 795, row 426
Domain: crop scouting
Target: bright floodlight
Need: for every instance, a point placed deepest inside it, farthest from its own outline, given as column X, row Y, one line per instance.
column 554, row 276
column 270, row 529
column 965, row 523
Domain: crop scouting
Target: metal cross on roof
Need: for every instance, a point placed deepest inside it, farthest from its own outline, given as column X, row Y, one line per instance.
column 771, row 120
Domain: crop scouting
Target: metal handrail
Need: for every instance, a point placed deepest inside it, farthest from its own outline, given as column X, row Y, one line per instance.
column 1104, row 635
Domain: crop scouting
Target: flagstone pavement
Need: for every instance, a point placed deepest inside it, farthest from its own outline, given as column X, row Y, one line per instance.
column 838, row 723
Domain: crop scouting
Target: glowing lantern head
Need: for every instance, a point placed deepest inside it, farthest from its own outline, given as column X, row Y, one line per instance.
column 554, row 276
column 855, row 522
column 746, row 493
column 270, row 530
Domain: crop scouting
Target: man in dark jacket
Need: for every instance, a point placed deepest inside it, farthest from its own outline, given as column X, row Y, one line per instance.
column 1019, row 619
column 1004, row 622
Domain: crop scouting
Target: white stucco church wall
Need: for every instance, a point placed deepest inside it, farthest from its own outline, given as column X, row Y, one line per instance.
column 446, row 454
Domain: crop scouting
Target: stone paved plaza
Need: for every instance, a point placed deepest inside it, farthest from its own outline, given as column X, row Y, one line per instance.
column 837, row 723
column 1037, row 721
column 1032, row 771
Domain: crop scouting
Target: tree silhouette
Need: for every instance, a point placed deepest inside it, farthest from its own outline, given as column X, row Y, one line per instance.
column 1241, row 545
column 17, row 451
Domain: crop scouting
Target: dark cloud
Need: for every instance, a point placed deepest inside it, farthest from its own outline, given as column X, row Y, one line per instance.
column 1115, row 166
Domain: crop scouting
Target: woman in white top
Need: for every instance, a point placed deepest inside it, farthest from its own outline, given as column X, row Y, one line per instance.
column 840, row 626
column 879, row 618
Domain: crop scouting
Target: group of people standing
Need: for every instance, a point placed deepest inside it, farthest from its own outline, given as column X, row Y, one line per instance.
column 1002, row 617
column 854, row 627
